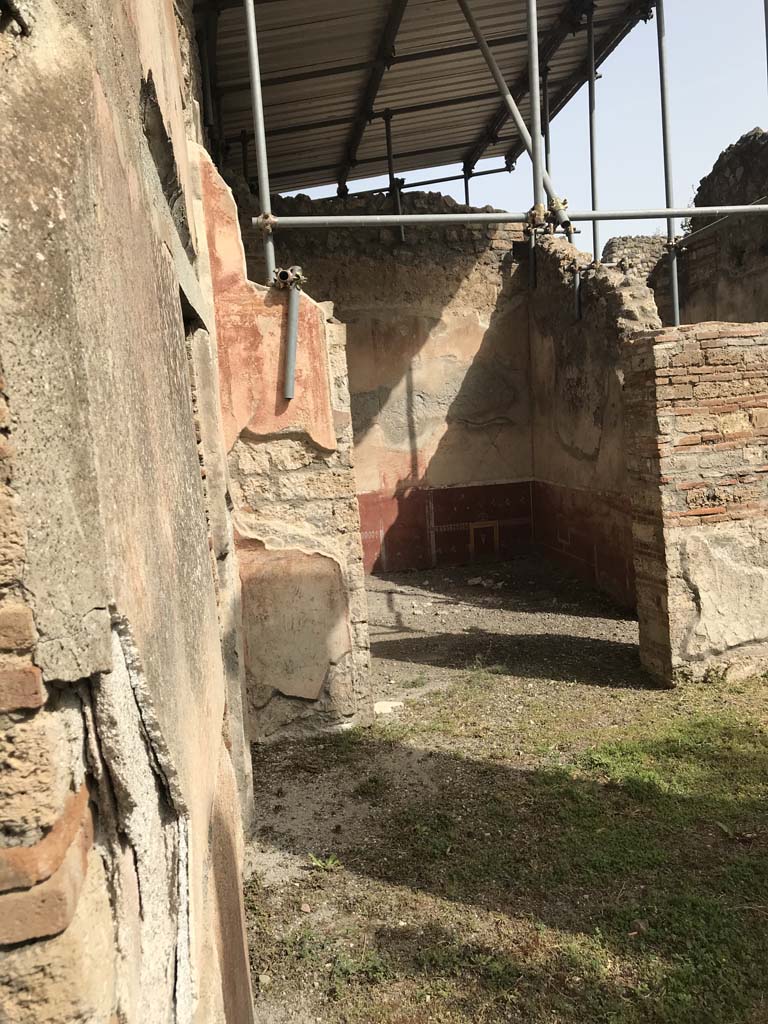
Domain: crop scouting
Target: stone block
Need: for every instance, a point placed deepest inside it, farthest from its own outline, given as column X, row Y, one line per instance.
column 17, row 626
column 21, row 686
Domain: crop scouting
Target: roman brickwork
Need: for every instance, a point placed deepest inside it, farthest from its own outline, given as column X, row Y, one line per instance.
column 696, row 402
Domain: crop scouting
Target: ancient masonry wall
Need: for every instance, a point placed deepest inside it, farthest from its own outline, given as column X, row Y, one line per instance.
column 580, row 499
column 438, row 360
column 293, row 488
column 697, row 407
column 640, row 253
column 724, row 271
column 125, row 775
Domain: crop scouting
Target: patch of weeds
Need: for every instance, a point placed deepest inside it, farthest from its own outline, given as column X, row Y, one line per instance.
column 329, row 863
column 365, row 968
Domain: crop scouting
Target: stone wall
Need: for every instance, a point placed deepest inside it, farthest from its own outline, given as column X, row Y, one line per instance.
column 640, row 253
column 724, row 271
column 293, row 488
column 697, row 411
column 125, row 770
column 438, row 370
column 581, row 508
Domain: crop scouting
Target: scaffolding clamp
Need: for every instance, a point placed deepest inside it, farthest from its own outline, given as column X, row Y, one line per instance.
column 537, row 216
column 265, row 222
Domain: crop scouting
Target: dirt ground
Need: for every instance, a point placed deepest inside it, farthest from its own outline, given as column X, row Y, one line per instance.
column 531, row 831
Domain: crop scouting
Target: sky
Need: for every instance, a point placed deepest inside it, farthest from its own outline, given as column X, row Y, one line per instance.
column 718, row 91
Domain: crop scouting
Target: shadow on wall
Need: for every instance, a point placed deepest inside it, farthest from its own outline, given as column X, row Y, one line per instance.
column 437, row 352
column 443, row 443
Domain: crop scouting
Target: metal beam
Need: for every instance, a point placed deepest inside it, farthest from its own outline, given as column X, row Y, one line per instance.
column 674, row 283
column 567, row 23
column 262, row 167
column 513, row 110
column 436, row 219
column 638, row 11
column 396, row 59
column 592, row 69
column 371, row 91
column 537, row 154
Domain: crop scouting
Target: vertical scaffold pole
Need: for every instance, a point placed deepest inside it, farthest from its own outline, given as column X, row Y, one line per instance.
column 534, row 89
column 593, row 128
column 394, row 188
column 674, row 283
column 545, row 118
column 260, row 139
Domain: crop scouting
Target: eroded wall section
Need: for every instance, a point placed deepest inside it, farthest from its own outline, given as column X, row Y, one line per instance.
column 293, row 487
column 437, row 348
column 581, row 502
column 697, row 412
column 124, row 777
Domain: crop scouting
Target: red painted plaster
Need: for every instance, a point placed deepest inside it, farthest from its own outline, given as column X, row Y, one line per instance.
column 250, row 331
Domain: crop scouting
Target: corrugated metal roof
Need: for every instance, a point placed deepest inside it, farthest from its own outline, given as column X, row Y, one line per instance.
column 319, row 57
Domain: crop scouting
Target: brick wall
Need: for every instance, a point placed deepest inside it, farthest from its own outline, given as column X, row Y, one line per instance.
column 696, row 405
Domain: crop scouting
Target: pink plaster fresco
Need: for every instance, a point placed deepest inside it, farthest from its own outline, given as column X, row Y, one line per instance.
column 251, row 334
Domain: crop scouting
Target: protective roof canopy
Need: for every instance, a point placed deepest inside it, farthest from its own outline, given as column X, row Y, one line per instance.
column 331, row 69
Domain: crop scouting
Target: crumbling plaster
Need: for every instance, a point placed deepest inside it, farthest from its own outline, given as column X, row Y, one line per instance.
column 292, row 484
column 117, row 599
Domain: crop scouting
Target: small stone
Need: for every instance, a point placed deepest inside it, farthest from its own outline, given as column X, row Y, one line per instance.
column 386, row 707
column 264, row 981
column 305, row 908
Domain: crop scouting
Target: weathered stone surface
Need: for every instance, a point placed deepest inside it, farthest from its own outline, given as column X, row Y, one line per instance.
column 296, row 619
column 293, row 489
column 701, row 518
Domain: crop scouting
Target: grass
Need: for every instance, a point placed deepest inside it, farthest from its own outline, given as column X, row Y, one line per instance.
column 575, row 856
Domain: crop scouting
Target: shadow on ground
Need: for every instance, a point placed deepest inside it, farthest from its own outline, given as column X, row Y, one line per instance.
column 629, row 886
column 594, row 662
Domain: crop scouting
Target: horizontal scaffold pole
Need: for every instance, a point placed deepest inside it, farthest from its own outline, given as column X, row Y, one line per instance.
column 428, row 219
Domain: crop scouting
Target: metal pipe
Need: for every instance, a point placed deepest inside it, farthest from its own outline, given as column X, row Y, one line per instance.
column 392, row 220
column 681, row 243
column 546, row 119
column 674, row 284
column 593, row 127
column 517, row 117
column 292, row 280
column 466, row 178
column 577, row 290
column 537, row 154
column 394, row 188
column 260, row 139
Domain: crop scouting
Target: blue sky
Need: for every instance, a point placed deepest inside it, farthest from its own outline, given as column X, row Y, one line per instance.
column 718, row 91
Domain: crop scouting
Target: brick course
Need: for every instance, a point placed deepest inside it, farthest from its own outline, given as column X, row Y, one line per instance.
column 697, row 457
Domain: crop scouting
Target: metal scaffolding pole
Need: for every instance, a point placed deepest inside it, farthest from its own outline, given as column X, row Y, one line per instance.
column 593, row 128
column 525, row 136
column 260, row 139
column 537, row 154
column 546, row 119
column 466, row 177
column 394, row 188
column 434, row 219
column 674, row 284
